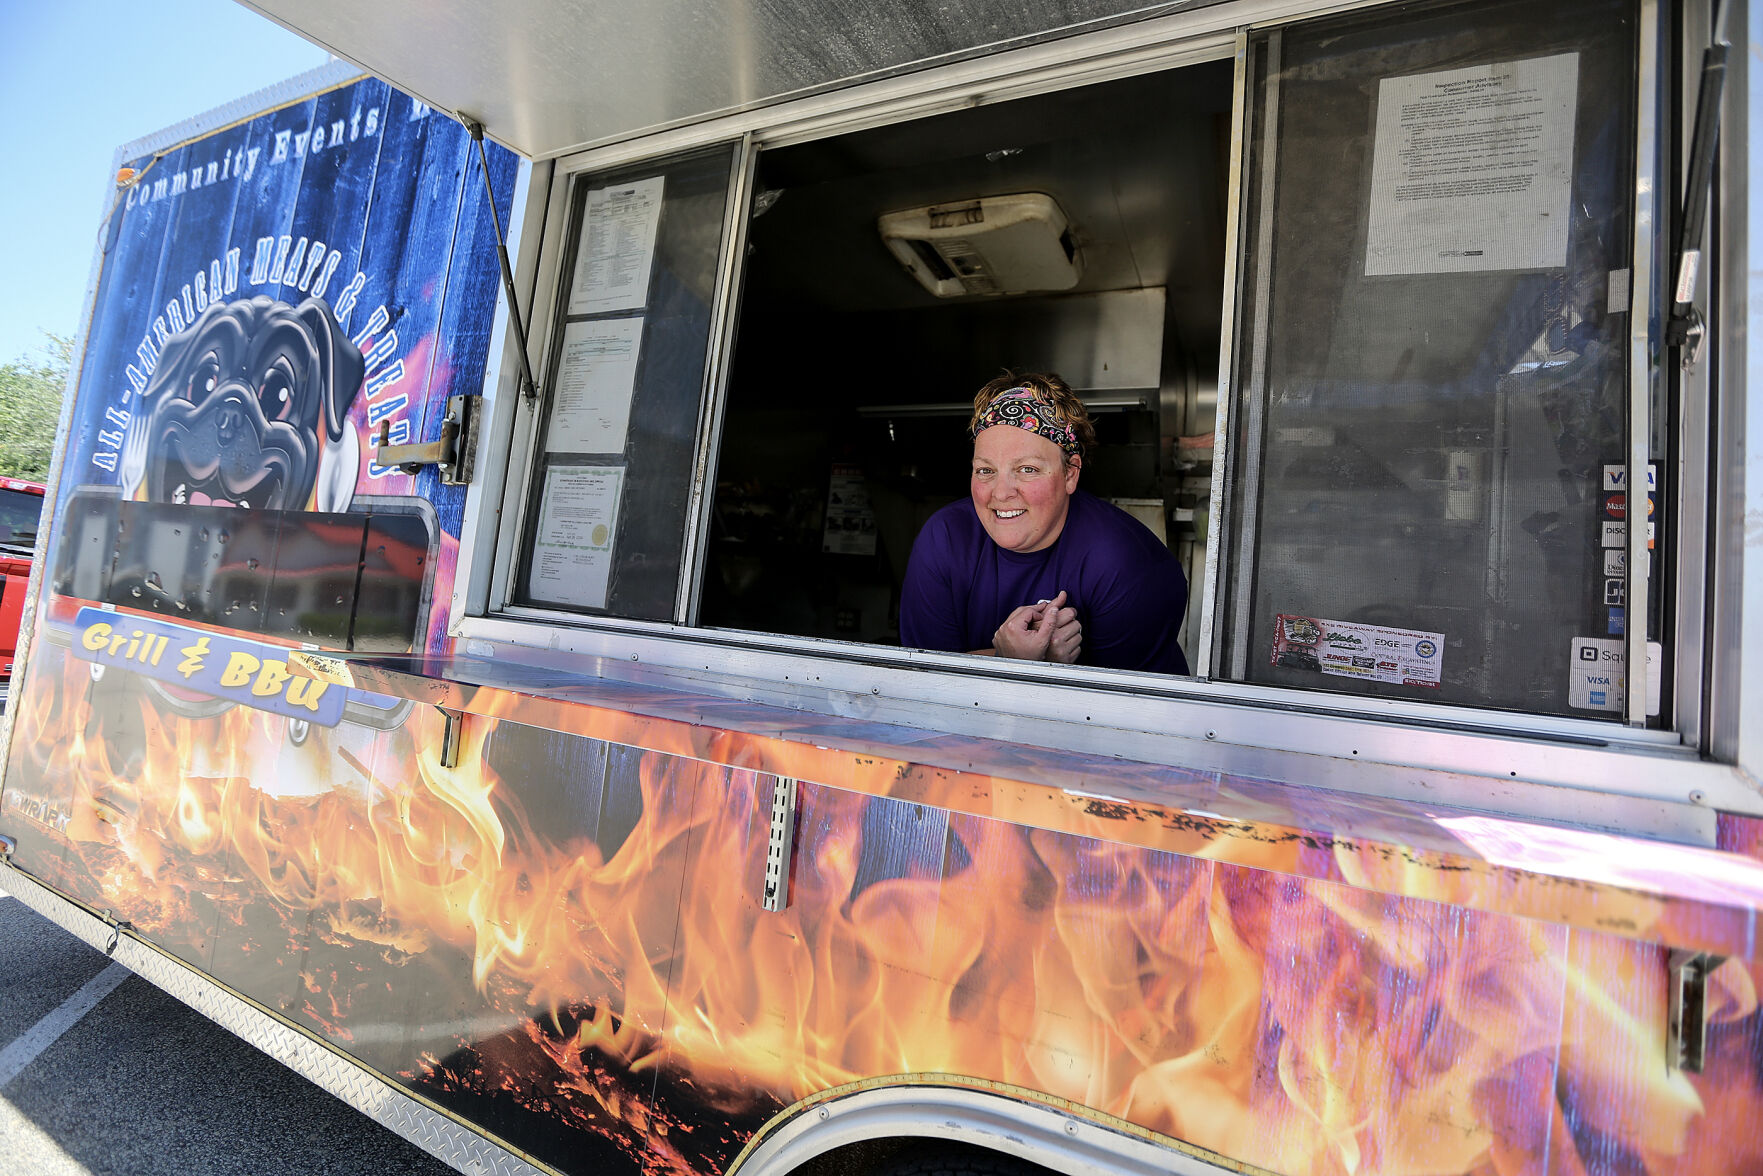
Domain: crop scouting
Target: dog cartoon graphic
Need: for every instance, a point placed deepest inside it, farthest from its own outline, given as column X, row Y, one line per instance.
column 248, row 408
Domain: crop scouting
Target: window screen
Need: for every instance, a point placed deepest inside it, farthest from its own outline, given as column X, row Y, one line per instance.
column 1433, row 355
column 606, row 519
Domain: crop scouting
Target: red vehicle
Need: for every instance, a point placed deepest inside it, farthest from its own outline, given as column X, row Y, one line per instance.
column 21, row 506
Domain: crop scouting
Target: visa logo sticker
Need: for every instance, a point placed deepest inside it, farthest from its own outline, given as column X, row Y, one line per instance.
column 246, row 672
column 1616, row 477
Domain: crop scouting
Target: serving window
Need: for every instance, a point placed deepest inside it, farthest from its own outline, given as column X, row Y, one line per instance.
column 1416, row 262
column 852, row 379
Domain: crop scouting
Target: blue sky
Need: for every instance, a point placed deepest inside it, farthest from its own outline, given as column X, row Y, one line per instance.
column 78, row 79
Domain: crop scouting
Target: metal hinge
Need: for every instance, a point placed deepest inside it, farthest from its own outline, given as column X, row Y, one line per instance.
column 452, row 736
column 454, row 452
column 780, row 849
column 1686, row 1026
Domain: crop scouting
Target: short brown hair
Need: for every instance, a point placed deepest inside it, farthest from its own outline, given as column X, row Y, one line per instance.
column 1051, row 391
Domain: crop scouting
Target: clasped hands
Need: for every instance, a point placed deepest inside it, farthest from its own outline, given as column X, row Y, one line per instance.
column 1045, row 631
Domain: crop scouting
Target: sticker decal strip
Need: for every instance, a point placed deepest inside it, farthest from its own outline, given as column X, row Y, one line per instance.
column 1402, row 657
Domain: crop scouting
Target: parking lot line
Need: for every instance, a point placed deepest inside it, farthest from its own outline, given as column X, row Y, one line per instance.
column 46, row 1032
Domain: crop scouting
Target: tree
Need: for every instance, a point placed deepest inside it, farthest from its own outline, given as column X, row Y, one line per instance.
column 30, row 408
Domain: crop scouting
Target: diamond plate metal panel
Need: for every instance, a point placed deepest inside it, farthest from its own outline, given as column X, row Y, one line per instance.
column 440, row 1135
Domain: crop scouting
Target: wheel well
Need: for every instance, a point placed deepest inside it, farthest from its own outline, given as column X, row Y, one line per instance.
column 925, row 1125
column 907, row 1155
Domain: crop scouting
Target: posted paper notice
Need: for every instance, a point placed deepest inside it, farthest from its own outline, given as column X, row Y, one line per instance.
column 578, row 521
column 1472, row 168
column 617, row 247
column 850, row 521
column 596, row 377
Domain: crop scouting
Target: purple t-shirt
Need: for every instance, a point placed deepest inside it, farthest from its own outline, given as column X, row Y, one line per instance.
column 1127, row 587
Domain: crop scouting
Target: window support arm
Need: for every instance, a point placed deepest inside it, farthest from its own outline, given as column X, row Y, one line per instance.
column 1685, row 329
column 529, row 386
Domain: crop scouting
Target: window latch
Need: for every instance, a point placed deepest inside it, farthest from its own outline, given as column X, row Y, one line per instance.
column 454, row 452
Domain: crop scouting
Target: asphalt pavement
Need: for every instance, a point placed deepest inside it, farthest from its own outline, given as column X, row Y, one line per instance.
column 103, row 1074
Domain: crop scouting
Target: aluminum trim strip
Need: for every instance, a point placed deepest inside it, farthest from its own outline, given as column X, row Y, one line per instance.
column 724, row 315
column 1640, row 360
column 1227, row 383
column 385, row 1103
column 1695, row 407
column 1246, row 512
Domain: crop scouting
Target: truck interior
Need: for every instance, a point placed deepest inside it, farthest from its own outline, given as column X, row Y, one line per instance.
column 852, row 379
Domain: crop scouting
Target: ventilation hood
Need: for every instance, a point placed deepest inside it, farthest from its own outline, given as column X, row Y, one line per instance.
column 1014, row 244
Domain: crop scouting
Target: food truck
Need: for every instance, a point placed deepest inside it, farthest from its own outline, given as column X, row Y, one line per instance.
column 464, row 654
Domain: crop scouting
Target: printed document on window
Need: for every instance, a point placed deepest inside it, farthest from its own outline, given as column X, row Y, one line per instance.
column 1472, row 169
column 596, row 378
column 617, row 247
column 578, row 521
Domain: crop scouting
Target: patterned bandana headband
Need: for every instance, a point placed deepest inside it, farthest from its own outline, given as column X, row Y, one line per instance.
column 1024, row 409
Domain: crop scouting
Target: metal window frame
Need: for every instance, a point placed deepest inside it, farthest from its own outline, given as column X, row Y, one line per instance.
column 515, row 430
column 1241, row 126
column 1546, row 749
column 519, row 421
column 532, row 234
column 713, row 403
column 1241, row 461
column 1242, row 517
column 1637, row 591
column 1695, row 393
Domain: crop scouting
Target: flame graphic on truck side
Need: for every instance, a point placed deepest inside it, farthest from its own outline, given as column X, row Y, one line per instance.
column 632, row 991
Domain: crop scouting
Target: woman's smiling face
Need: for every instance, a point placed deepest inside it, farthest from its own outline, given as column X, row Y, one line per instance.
column 1021, row 487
